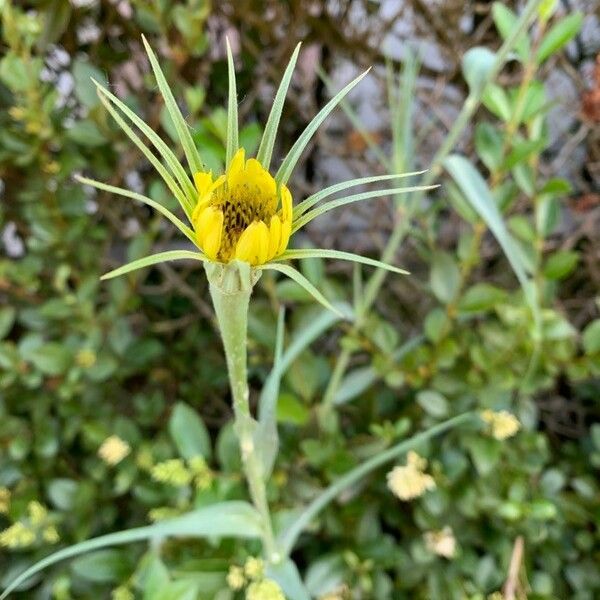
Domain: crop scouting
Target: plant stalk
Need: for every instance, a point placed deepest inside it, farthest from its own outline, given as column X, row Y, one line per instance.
column 230, row 292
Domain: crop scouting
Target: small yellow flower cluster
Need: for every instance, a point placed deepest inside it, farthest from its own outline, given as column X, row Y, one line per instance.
column 175, row 472
column 252, row 574
column 203, row 476
column 25, row 533
column 85, row 358
column 410, row 481
column 4, row 500
column 442, row 542
column 113, row 450
column 502, row 424
column 267, row 589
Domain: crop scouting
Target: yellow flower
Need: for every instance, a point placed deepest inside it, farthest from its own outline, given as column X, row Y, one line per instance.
column 17, row 535
column 409, row 481
column 235, row 578
column 113, row 450
column 501, row 424
column 442, row 543
column 264, row 590
column 37, row 513
column 254, row 568
column 242, row 214
column 173, row 471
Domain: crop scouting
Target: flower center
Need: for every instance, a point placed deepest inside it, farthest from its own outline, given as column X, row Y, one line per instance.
column 240, row 207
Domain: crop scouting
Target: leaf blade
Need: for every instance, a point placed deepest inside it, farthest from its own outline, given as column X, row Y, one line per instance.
column 300, row 254
column 185, row 137
column 232, row 112
column 140, row 198
column 265, row 150
column 303, row 282
column 287, row 166
column 154, row 259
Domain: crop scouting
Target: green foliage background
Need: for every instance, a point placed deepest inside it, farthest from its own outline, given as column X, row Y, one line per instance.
column 81, row 361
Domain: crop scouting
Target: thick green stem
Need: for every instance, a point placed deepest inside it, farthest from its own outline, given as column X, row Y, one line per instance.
column 230, row 290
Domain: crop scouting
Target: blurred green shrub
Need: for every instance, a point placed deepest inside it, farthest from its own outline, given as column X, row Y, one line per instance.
column 100, row 384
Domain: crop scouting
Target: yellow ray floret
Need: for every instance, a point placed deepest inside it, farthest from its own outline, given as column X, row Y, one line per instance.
column 241, row 214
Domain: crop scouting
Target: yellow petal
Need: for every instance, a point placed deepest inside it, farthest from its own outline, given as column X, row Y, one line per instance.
column 286, row 231
column 257, row 175
column 202, row 181
column 262, row 244
column 286, row 204
column 245, row 249
column 274, row 236
column 236, row 168
column 206, row 198
column 209, row 231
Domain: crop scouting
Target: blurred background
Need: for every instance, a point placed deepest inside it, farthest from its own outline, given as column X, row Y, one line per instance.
column 131, row 360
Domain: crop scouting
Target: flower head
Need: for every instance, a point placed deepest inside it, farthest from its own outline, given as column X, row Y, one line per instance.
column 113, row 450
column 502, row 424
column 264, row 590
column 410, row 481
column 235, row 578
column 442, row 543
column 242, row 214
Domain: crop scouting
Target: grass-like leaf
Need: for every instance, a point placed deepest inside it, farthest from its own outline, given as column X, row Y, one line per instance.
column 152, row 158
column 305, row 205
column 189, row 147
column 225, row 519
column 287, row 166
column 301, row 254
column 232, row 112
column 155, row 259
column 317, row 212
column 303, row 282
column 144, row 199
column 265, row 150
column 161, row 147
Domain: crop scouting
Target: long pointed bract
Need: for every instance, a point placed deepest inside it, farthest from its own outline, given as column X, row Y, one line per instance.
column 161, row 147
column 185, row 137
column 302, row 254
column 232, row 112
column 287, row 166
column 302, row 281
column 152, row 158
column 301, row 208
column 140, row 198
column 316, row 212
column 155, row 259
column 265, row 150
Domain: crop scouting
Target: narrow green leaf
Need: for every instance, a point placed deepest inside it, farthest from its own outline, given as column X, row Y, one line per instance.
column 161, row 147
column 303, row 282
column 559, row 35
column 191, row 152
column 479, row 196
column 265, row 150
column 232, row 112
column 154, row 259
column 317, row 212
column 287, row 166
column 225, row 519
column 344, row 185
column 154, row 161
column 140, row 198
column 290, row 535
column 301, row 254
